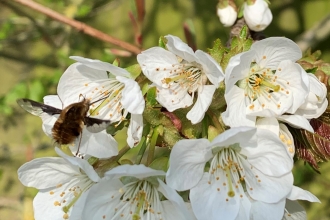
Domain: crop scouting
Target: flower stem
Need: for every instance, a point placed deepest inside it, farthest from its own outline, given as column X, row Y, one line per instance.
column 152, row 145
column 139, row 156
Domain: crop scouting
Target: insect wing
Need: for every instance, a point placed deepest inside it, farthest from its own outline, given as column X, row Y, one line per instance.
column 37, row 108
column 96, row 125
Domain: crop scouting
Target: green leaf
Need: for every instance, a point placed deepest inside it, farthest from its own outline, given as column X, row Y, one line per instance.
column 217, row 50
column 36, row 90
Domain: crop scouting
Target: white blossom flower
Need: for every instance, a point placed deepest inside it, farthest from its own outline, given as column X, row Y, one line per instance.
column 63, row 185
column 100, row 144
column 316, row 102
column 138, row 196
column 227, row 15
column 118, row 93
column 243, row 160
column 264, row 82
column 178, row 73
column 257, row 14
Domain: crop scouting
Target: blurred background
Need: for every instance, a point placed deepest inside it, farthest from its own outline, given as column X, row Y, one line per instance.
column 34, row 51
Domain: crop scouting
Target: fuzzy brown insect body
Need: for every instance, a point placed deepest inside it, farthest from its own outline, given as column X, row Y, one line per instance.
column 70, row 123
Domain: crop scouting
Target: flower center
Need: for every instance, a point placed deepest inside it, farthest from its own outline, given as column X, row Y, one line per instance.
column 186, row 76
column 111, row 106
column 140, row 198
column 260, row 82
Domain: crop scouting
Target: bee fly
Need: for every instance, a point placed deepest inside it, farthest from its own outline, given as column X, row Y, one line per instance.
column 69, row 125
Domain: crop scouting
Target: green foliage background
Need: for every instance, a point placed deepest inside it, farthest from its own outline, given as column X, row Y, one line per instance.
column 34, row 52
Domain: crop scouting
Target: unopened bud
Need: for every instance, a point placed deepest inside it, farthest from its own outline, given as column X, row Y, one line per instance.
column 227, row 14
column 257, row 15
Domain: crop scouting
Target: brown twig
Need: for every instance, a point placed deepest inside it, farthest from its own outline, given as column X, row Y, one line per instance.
column 80, row 26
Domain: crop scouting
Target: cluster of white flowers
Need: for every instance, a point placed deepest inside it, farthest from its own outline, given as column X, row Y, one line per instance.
column 244, row 172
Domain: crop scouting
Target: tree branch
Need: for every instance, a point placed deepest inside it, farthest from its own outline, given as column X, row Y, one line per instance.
column 314, row 35
column 79, row 26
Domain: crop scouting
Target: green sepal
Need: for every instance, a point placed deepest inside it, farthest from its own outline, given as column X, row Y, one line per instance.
column 160, row 163
column 126, row 161
column 162, row 42
column 116, row 62
column 212, row 133
column 151, row 96
column 134, row 70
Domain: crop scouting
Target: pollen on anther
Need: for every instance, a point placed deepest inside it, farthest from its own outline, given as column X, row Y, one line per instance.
column 218, row 189
column 103, row 216
column 209, row 182
column 58, row 185
column 241, row 196
column 227, row 200
column 263, row 105
column 86, row 84
column 251, row 107
column 65, row 216
column 157, row 69
column 279, row 69
column 264, row 57
column 57, row 203
column 51, row 193
column 278, row 105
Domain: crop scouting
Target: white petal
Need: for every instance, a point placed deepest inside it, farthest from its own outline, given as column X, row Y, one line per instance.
column 271, row 51
column 179, row 48
column 270, row 151
column 53, row 100
column 204, row 99
column 238, row 68
column 153, row 62
column 79, row 206
column 78, row 80
column 294, row 211
column 83, row 164
column 44, row 208
column 104, row 198
column 178, row 204
column 134, row 130
column 99, row 65
column 172, row 101
column 270, row 211
column 132, row 99
column 270, row 124
column 172, row 212
column 296, row 121
column 187, row 162
column 297, row 79
column 267, row 188
column 101, row 145
column 211, row 68
column 208, row 203
column 46, row 172
column 235, row 114
column 139, row 171
column 244, row 136
column 300, row 194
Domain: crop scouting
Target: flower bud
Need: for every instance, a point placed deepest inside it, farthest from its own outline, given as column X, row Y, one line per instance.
column 257, row 14
column 227, row 14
